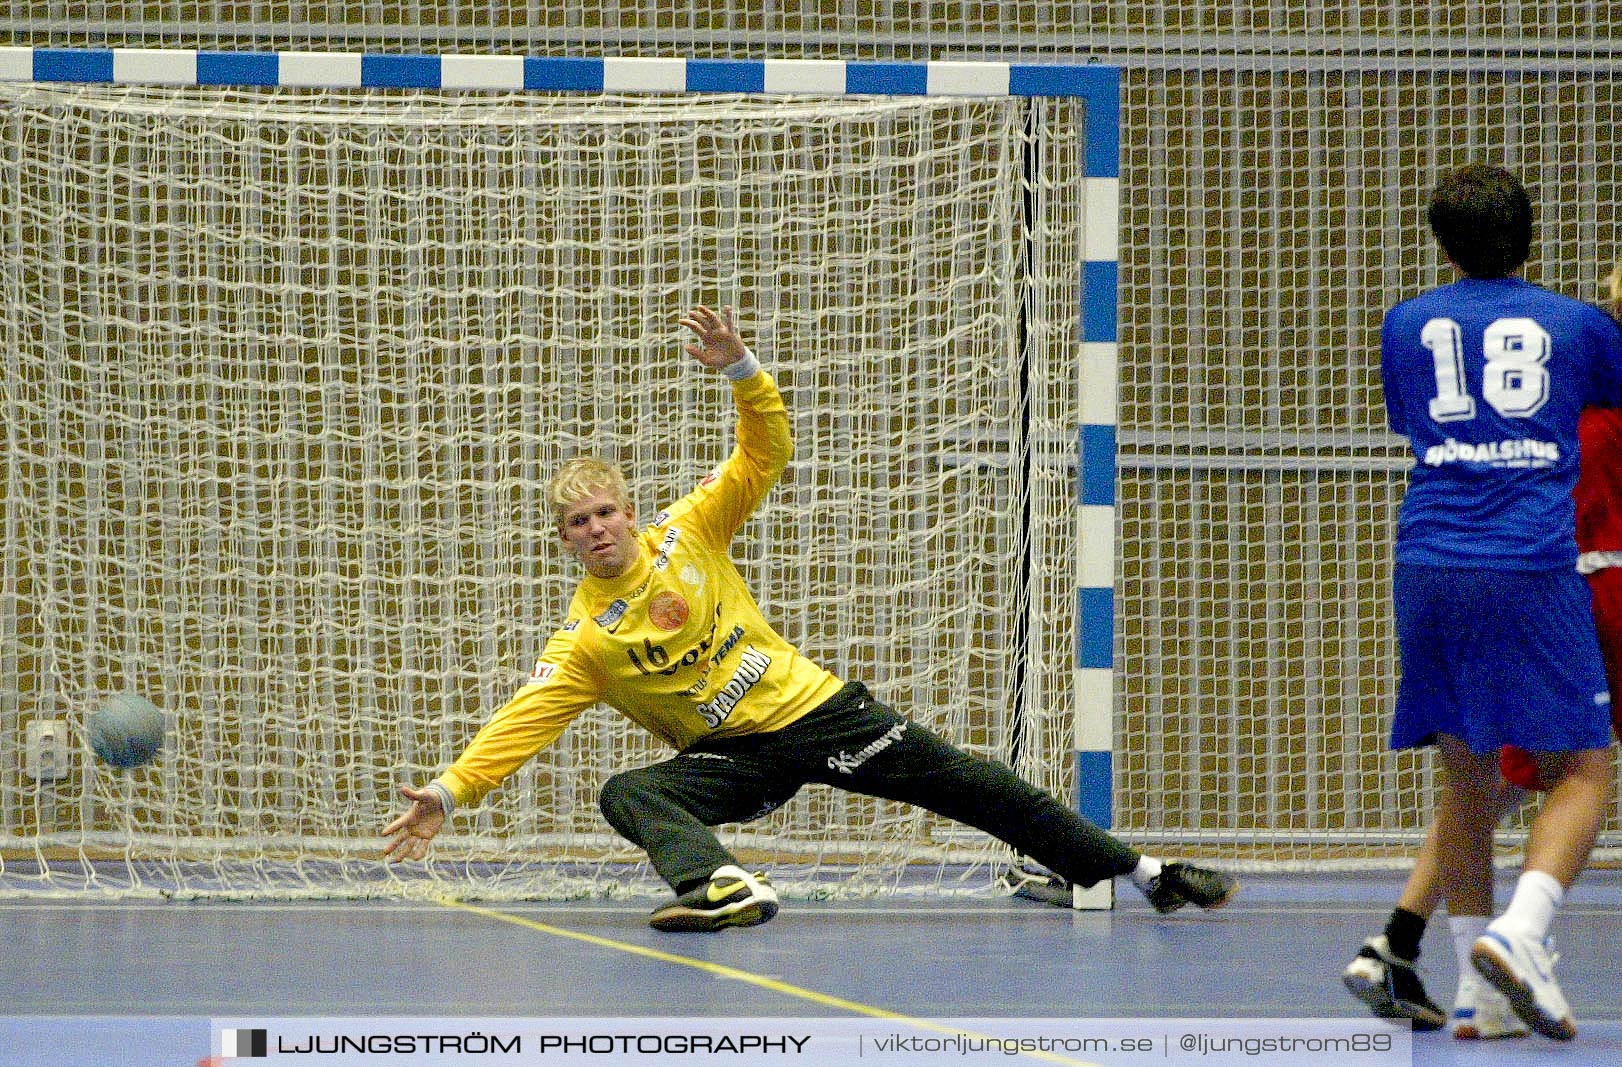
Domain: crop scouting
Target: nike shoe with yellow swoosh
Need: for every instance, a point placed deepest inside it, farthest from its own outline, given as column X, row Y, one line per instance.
column 732, row 897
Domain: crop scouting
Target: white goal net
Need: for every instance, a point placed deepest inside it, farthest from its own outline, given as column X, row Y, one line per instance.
column 285, row 374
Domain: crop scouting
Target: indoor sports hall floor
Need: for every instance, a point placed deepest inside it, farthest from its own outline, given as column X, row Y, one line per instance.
column 130, row 972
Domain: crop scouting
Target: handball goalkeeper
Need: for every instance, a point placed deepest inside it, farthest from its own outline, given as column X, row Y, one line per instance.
column 663, row 629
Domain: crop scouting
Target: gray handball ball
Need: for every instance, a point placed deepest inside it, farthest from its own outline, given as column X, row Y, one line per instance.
column 126, row 730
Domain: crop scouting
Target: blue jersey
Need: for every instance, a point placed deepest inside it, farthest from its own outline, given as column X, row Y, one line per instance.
column 1486, row 379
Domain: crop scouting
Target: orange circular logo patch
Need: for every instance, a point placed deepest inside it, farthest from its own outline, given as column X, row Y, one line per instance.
column 668, row 611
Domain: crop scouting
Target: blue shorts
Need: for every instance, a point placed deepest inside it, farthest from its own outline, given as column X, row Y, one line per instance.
column 1496, row 658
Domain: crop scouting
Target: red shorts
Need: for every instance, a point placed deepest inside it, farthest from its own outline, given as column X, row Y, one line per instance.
column 1519, row 768
column 1516, row 764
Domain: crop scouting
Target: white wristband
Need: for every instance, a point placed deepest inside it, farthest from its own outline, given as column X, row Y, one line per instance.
column 743, row 369
column 447, row 803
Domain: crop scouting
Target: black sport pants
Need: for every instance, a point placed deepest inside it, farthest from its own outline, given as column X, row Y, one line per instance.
column 851, row 742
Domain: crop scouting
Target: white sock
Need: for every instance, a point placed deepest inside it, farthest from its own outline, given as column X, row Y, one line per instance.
column 1532, row 908
column 1147, row 870
column 1465, row 929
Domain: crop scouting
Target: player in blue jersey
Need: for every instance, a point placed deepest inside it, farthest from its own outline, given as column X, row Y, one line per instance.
column 1486, row 377
column 1383, row 975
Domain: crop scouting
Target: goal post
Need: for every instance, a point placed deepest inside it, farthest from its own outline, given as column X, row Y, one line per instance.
column 294, row 341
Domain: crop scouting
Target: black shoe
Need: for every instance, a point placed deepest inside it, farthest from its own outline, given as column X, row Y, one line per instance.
column 1183, row 883
column 1390, row 986
column 730, row 898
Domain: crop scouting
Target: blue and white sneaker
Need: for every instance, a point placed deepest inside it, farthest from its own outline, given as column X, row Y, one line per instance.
column 1522, row 968
column 1481, row 1013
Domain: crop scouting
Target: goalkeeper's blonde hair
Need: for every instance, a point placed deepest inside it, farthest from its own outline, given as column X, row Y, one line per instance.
column 582, row 476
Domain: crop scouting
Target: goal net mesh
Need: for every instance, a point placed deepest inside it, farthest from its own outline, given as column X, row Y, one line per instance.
column 285, row 375
column 1269, row 217
column 285, row 372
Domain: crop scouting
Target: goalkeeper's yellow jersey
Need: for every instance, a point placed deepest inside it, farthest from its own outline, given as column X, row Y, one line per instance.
column 676, row 643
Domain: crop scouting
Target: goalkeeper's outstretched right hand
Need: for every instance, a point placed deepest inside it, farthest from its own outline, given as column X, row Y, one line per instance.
column 415, row 827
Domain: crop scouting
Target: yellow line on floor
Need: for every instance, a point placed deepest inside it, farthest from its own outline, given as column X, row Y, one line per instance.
column 721, row 970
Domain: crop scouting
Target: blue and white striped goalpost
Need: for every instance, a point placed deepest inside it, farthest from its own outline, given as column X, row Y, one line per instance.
column 1097, row 85
column 1096, row 547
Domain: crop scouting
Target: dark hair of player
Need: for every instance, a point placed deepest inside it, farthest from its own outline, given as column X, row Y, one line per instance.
column 1482, row 217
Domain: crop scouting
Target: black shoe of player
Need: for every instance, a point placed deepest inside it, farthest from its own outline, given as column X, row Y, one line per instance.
column 1183, row 883
column 731, row 897
column 1390, row 986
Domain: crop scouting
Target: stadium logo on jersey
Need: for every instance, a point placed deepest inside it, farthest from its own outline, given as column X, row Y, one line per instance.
column 845, row 763
column 660, row 519
column 611, row 618
column 571, row 626
column 752, row 666
column 542, row 673
column 667, row 611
